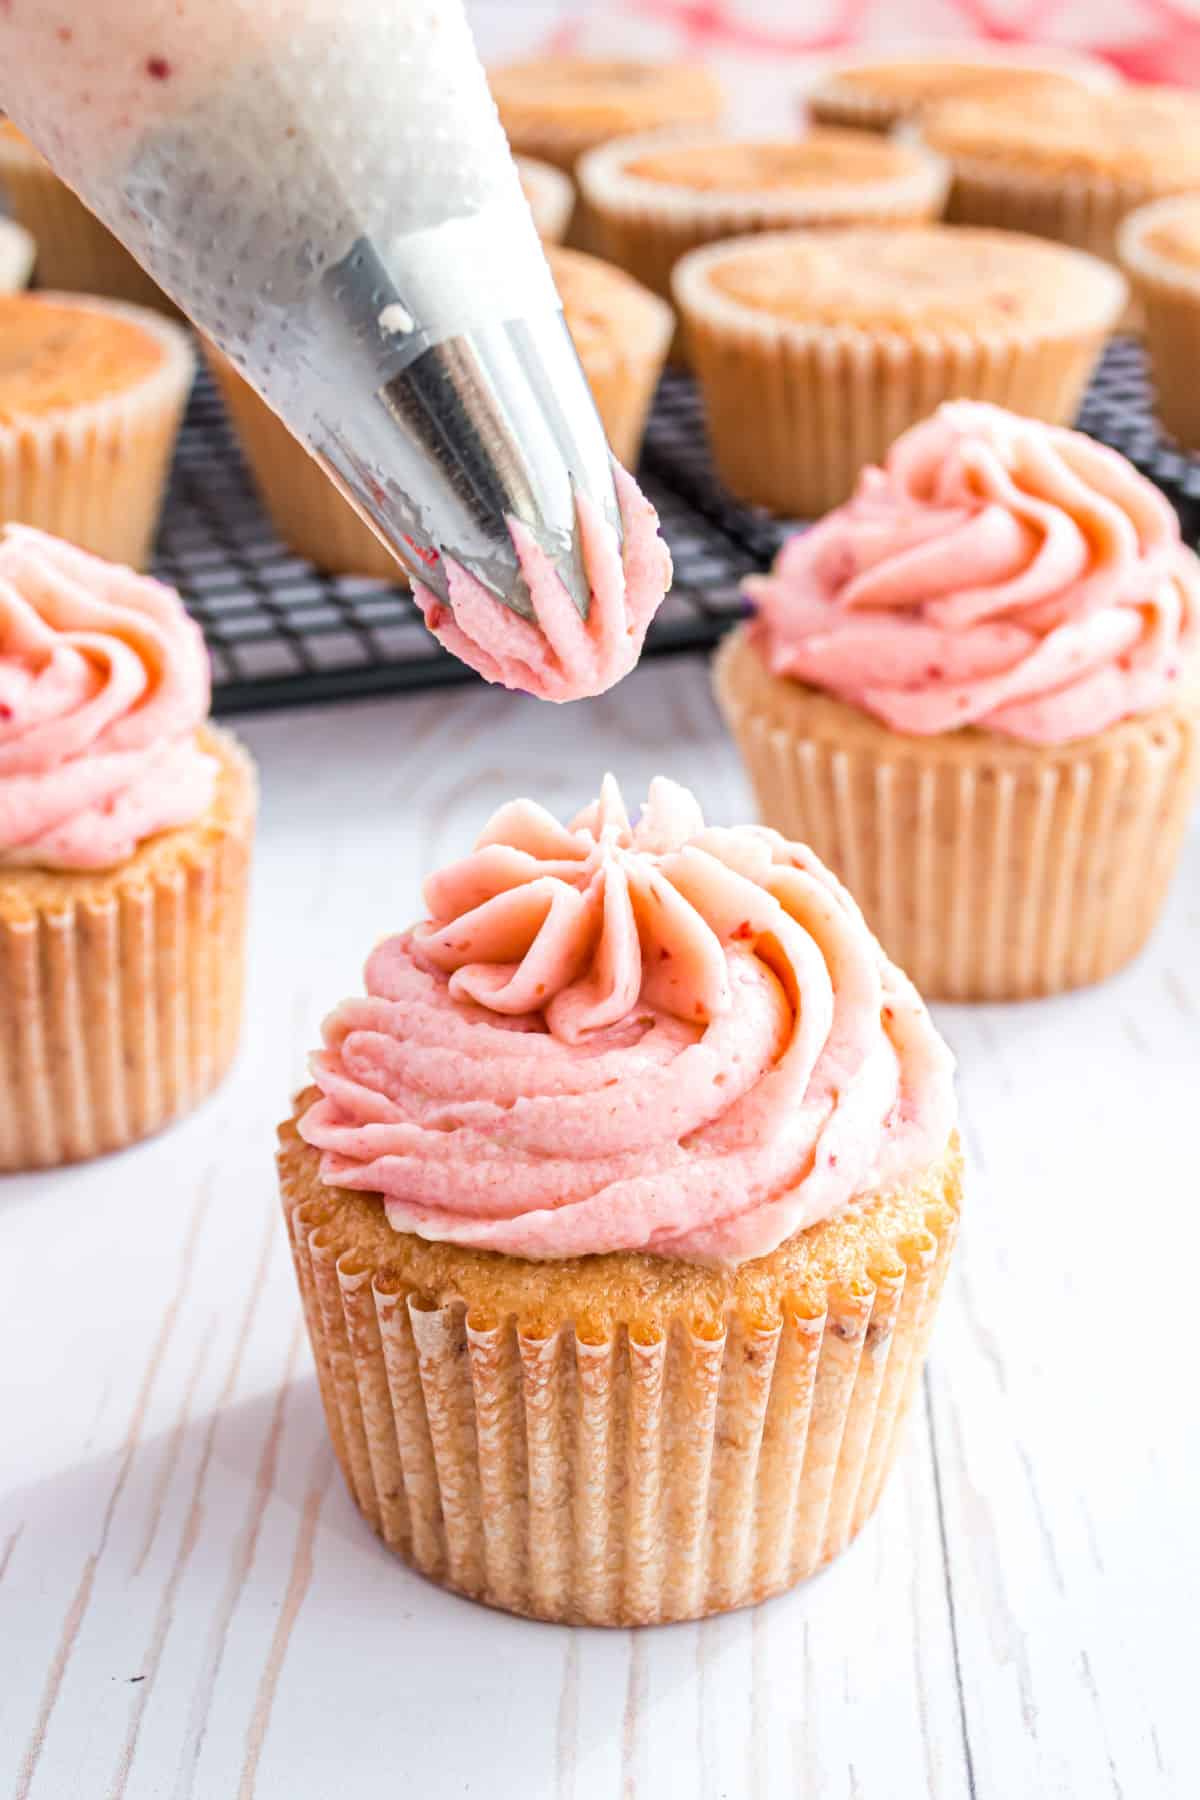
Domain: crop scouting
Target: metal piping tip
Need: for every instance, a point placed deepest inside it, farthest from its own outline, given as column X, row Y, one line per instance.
column 462, row 434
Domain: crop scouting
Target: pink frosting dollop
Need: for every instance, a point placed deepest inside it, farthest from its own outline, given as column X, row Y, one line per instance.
column 658, row 1037
column 995, row 572
column 103, row 683
column 562, row 656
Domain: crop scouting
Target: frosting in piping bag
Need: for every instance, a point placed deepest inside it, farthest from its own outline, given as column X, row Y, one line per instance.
column 562, row 657
column 995, row 572
column 103, row 684
column 610, row 1036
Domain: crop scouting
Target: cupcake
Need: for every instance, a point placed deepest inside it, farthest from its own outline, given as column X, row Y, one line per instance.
column 654, row 198
column 620, row 1207
column 1159, row 249
column 91, row 397
column 75, row 252
column 551, row 197
column 875, row 91
column 1071, row 166
column 621, row 332
column 975, row 689
column 814, row 350
column 556, row 107
column 126, row 821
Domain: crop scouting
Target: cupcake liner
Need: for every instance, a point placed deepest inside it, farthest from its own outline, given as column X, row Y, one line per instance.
column 75, row 252
column 1082, row 211
column 1168, row 297
column 824, row 401
column 94, row 472
column 635, row 1472
column 989, row 869
column 645, row 227
column 551, row 197
column 307, row 511
column 121, row 993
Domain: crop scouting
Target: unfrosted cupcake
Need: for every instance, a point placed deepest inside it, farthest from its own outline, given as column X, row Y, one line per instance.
column 556, row 107
column 815, row 350
column 654, row 198
column 1071, row 166
column 125, row 833
column 551, row 197
column 621, row 333
column 620, row 1209
column 877, row 90
column 1159, row 249
column 91, row 397
column 75, row 252
column 975, row 690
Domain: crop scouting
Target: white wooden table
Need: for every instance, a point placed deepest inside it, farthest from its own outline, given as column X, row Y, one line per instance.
column 191, row 1607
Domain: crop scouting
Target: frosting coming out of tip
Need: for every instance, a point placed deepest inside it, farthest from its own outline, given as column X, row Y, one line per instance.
column 609, row 1036
column 995, row 572
column 562, row 656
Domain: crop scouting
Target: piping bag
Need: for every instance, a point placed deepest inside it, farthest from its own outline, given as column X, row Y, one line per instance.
column 324, row 187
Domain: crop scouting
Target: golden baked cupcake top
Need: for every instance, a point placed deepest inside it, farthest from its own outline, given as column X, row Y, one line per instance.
column 907, row 85
column 926, row 278
column 591, row 99
column 821, row 159
column 603, row 306
column 58, row 353
column 1138, row 135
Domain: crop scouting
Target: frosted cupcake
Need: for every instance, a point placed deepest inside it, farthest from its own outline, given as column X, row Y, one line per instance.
column 620, row 1209
column 877, row 90
column 91, row 398
column 125, row 831
column 653, row 198
column 1070, row 167
column 1159, row 249
column 621, row 332
column 814, row 350
column 75, row 252
column 975, row 690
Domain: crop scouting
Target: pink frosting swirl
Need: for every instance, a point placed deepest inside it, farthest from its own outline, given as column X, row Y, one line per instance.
column 103, row 683
column 995, row 572
column 657, row 1037
column 562, row 657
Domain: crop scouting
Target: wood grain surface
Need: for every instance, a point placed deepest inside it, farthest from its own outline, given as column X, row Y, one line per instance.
column 190, row 1606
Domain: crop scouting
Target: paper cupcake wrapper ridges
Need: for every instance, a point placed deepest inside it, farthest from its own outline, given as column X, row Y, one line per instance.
column 647, row 1476
column 121, row 1011
column 989, row 870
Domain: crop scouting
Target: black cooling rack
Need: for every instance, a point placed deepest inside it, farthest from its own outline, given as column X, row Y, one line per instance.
column 282, row 634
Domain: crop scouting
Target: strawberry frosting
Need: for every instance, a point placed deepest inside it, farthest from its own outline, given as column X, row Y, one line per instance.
column 658, row 1037
column 995, row 572
column 562, row 656
column 103, row 683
